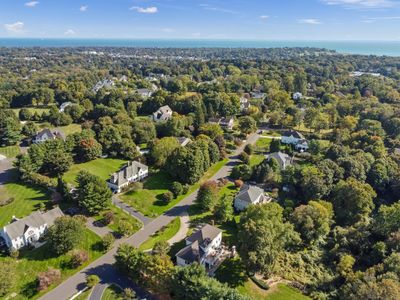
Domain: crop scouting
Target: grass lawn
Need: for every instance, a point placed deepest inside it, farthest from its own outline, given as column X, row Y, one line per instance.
column 262, row 145
column 271, row 133
column 232, row 273
column 120, row 215
column 39, row 110
column 32, row 262
column 256, row 159
column 102, row 167
column 10, row 151
column 147, row 200
column 26, row 200
column 70, row 129
column 163, row 235
column 112, row 292
column 85, row 295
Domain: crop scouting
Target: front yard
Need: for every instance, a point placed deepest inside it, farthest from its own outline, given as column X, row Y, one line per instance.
column 102, row 167
column 148, row 200
column 32, row 262
column 163, row 235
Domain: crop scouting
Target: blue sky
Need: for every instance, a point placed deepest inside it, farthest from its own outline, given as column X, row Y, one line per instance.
column 203, row 19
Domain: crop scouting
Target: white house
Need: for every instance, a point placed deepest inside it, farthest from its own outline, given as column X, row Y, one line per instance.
column 223, row 122
column 202, row 247
column 244, row 104
column 250, row 195
column 134, row 171
column 105, row 83
column 291, row 137
column 47, row 134
column 302, row 145
column 145, row 93
column 297, row 96
column 283, row 159
column 164, row 113
column 28, row 230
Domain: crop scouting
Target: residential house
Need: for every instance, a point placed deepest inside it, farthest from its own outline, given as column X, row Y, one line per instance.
column 257, row 95
column 202, row 247
column 283, row 159
column 28, row 230
column 297, row 96
column 183, row 141
column 134, row 171
column 302, row 145
column 145, row 93
column 105, row 83
column 244, row 104
column 226, row 123
column 47, row 135
column 164, row 113
column 296, row 139
column 250, row 195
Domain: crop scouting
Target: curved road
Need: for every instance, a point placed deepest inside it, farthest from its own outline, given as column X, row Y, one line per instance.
column 103, row 266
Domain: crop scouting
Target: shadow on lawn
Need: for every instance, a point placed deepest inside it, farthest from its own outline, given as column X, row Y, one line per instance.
column 232, row 273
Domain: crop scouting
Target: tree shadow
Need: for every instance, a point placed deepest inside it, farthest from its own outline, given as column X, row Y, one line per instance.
column 29, row 290
column 232, row 272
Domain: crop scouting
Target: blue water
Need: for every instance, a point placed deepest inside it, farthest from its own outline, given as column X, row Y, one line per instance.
column 350, row 47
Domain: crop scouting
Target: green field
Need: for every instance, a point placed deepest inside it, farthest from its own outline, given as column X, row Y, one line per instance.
column 102, row 167
column 32, row 262
column 163, row 235
column 112, row 292
column 26, row 200
column 256, row 159
column 70, row 129
column 147, row 200
column 262, row 145
column 120, row 215
column 232, row 272
column 10, row 151
column 39, row 110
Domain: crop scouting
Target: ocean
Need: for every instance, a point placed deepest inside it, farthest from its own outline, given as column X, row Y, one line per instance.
column 346, row 47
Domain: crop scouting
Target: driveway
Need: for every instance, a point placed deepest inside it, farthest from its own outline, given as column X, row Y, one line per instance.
column 103, row 266
column 130, row 210
column 5, row 170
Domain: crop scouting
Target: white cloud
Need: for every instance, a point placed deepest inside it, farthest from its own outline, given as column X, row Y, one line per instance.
column 70, row 32
column 217, row 9
column 145, row 10
column 369, row 4
column 264, row 17
column 16, row 27
column 31, row 3
column 310, row 21
column 84, row 8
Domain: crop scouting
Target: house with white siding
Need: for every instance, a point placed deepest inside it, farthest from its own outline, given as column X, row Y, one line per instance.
column 134, row 171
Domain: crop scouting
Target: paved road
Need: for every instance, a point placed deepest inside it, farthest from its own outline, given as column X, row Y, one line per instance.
column 130, row 210
column 97, row 227
column 5, row 169
column 103, row 267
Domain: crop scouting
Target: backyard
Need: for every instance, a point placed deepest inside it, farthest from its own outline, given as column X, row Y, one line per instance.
column 102, row 167
column 32, row 262
column 232, row 272
column 148, row 200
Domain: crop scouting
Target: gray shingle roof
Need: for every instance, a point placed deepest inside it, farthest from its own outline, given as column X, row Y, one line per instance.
column 205, row 233
column 293, row 133
column 128, row 171
column 282, row 158
column 191, row 253
column 36, row 219
column 249, row 193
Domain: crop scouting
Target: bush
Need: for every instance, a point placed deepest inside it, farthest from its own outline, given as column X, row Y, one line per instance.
column 108, row 241
column 244, row 157
column 125, row 228
column 167, row 197
column 45, row 279
column 14, row 254
column 239, row 183
column 78, row 258
column 185, row 189
column 260, row 283
column 176, row 188
column 108, row 217
column 249, row 149
column 92, row 280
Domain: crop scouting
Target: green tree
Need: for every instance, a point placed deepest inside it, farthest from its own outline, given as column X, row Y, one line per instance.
column 65, row 234
column 162, row 149
column 93, row 193
column 92, row 280
column 223, row 210
column 207, row 195
column 247, row 124
column 262, row 236
column 10, row 128
column 352, row 200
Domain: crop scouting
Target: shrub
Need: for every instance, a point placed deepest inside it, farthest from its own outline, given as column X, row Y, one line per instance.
column 92, row 280
column 249, row 149
column 260, row 283
column 129, row 294
column 108, row 241
column 125, row 228
column 14, row 254
column 167, row 197
column 176, row 188
column 45, row 279
column 185, row 189
column 78, row 258
column 239, row 183
column 244, row 157
column 108, row 217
